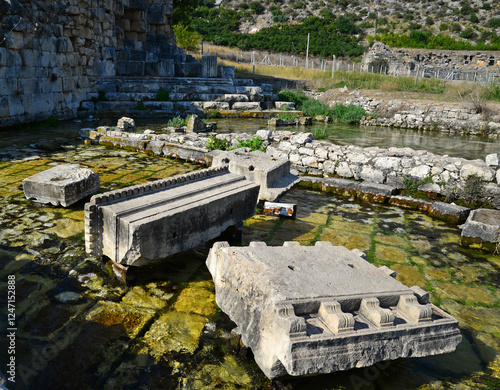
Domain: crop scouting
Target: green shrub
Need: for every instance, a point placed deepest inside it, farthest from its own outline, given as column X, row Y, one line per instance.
column 215, row 143
column 256, row 7
column 254, row 143
column 312, row 107
column 162, row 95
column 140, row 106
column 178, row 121
column 319, row 133
column 473, row 189
column 287, row 116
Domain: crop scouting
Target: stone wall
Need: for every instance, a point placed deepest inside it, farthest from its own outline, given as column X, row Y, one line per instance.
column 430, row 62
column 396, row 167
column 464, row 118
column 53, row 52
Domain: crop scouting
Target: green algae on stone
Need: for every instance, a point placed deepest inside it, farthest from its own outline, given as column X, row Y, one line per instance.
column 65, row 228
column 390, row 253
column 137, row 296
column 464, row 293
column 436, row 273
column 197, row 298
column 175, row 332
column 409, row 276
column 421, row 244
column 354, row 227
column 226, row 375
column 349, row 240
column 130, row 318
column 392, row 240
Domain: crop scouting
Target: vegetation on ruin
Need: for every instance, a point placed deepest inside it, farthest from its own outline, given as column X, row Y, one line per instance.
column 178, row 121
column 162, row 95
column 312, row 107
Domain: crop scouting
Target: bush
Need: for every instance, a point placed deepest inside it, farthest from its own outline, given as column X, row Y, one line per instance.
column 162, row 96
column 187, row 38
column 256, row 7
column 312, row 107
column 468, row 33
column 287, row 116
column 494, row 22
column 215, row 143
column 378, row 64
column 140, row 106
column 254, row 143
column 473, row 189
column 178, row 121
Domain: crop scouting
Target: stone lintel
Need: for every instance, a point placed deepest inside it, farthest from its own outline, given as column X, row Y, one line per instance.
column 310, row 310
column 139, row 224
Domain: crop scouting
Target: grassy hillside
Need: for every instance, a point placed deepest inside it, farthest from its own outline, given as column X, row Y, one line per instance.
column 342, row 27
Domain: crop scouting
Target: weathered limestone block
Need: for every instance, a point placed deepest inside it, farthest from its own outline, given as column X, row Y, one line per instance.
column 273, row 175
column 125, row 124
column 195, row 124
column 284, row 105
column 215, row 106
column 492, row 160
column 312, row 310
column 62, row 185
column 209, row 66
column 139, row 224
column 482, row 171
column 482, row 229
column 247, row 106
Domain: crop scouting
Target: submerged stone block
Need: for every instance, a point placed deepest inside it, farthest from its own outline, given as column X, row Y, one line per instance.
column 62, row 185
column 482, row 229
column 139, row 224
column 314, row 310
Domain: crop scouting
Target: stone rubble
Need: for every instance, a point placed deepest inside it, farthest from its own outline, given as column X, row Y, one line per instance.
column 396, row 167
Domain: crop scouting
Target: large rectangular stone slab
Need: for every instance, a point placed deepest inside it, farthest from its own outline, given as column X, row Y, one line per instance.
column 61, row 185
column 311, row 310
column 139, row 224
column 272, row 174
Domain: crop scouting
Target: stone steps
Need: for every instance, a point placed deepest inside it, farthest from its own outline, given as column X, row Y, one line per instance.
column 123, row 95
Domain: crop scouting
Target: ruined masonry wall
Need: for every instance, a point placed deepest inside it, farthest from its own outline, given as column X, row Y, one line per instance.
column 438, row 174
column 52, row 51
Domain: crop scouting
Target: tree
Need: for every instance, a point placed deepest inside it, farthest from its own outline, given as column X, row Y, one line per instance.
column 187, row 38
column 256, row 7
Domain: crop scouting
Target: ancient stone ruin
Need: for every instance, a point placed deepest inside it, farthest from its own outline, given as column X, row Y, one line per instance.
column 272, row 174
column 482, row 230
column 71, row 58
column 62, row 185
column 136, row 225
column 312, row 310
column 432, row 63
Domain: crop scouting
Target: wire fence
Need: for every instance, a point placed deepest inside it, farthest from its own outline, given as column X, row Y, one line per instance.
column 486, row 75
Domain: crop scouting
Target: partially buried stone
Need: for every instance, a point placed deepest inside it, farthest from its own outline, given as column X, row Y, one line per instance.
column 62, row 185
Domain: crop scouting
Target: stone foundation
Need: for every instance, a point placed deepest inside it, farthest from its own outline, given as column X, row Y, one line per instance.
column 396, row 167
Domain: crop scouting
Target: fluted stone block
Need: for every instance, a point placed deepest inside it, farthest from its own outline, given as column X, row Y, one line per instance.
column 307, row 310
column 139, row 224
